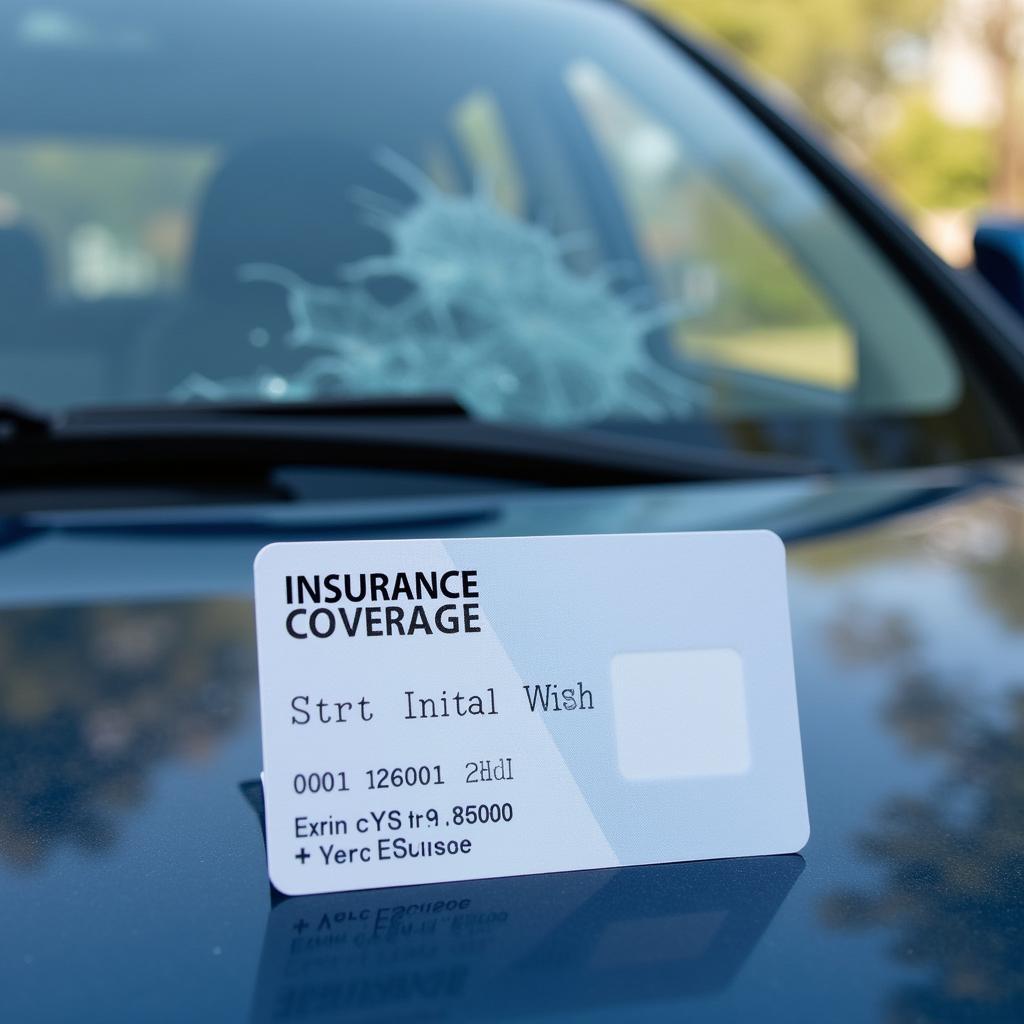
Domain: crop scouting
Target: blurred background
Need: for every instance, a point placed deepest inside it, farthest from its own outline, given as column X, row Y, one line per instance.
column 923, row 97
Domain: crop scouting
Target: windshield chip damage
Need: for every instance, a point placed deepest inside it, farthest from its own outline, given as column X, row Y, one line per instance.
column 494, row 316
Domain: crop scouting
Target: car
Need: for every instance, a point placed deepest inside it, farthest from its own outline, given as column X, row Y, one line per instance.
column 478, row 268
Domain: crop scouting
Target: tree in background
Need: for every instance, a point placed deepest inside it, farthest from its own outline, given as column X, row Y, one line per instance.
column 865, row 69
column 999, row 27
column 931, row 163
column 842, row 58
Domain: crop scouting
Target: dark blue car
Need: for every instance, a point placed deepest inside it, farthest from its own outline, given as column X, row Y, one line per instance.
column 324, row 270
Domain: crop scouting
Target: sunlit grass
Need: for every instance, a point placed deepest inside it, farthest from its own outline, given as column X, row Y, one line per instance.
column 824, row 355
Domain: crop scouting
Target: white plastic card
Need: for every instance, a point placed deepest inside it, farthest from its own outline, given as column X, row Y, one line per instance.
column 436, row 710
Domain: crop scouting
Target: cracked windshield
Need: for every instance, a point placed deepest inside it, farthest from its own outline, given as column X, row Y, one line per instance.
column 589, row 256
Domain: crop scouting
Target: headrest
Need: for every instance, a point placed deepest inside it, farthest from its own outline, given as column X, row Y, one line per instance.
column 290, row 202
column 24, row 283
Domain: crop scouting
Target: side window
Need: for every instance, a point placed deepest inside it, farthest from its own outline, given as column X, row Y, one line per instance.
column 525, row 174
column 479, row 127
column 474, row 152
column 742, row 303
column 112, row 219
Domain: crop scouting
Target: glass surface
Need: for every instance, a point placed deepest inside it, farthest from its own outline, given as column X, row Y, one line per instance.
column 545, row 212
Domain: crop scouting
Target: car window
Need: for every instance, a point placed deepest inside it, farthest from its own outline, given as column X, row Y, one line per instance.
column 479, row 126
column 114, row 219
column 744, row 301
column 572, row 227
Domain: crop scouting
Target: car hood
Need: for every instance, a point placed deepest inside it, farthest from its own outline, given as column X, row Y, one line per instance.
column 132, row 873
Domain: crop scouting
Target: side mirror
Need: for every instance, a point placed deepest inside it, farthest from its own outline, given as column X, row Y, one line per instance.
column 999, row 258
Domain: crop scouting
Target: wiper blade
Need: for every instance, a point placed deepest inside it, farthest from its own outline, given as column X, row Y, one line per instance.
column 219, row 444
column 385, row 407
column 19, row 421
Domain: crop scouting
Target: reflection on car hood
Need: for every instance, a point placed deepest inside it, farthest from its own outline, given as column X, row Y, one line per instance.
column 131, row 860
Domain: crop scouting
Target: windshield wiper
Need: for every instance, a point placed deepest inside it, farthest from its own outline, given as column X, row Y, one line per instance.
column 17, row 421
column 20, row 421
column 387, row 407
column 246, row 442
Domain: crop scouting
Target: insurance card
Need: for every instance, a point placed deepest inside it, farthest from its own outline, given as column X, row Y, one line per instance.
column 437, row 710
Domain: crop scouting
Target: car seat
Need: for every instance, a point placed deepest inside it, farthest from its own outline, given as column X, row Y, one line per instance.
column 291, row 203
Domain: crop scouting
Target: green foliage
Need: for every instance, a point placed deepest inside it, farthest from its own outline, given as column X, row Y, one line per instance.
column 762, row 285
column 933, row 164
column 837, row 57
column 812, row 45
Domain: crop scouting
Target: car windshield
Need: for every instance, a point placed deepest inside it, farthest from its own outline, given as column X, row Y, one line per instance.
column 542, row 210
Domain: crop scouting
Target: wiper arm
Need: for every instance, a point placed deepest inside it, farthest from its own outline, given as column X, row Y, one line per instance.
column 17, row 421
column 244, row 443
